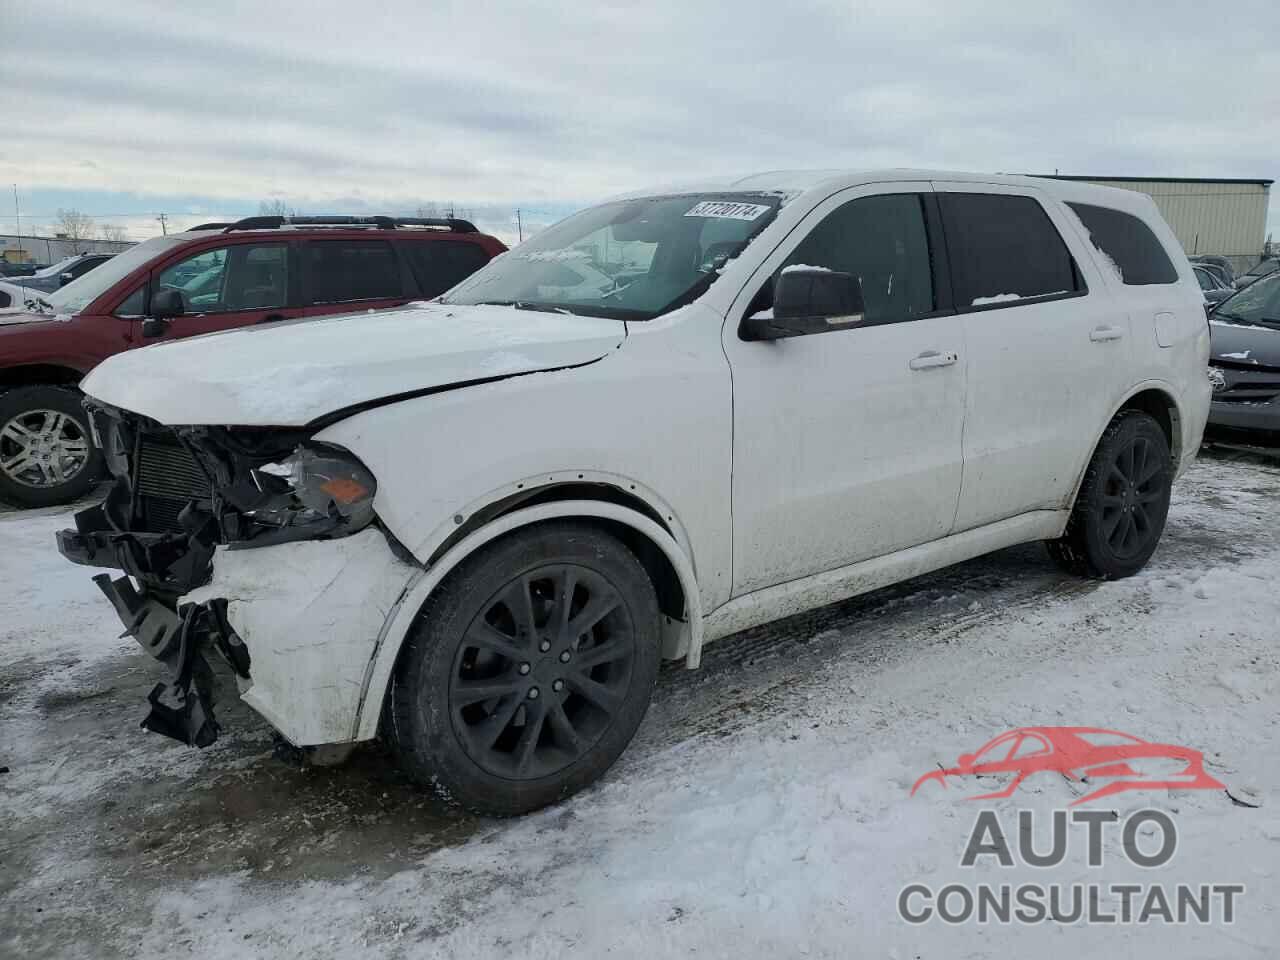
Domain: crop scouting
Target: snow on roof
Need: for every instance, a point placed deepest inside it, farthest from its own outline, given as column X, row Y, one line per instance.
column 792, row 183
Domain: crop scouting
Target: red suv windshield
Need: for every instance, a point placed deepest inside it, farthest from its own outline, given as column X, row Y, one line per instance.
column 78, row 294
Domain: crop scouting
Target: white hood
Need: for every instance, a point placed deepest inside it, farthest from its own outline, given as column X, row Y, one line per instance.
column 291, row 373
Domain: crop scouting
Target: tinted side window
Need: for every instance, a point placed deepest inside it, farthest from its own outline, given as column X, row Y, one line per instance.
column 346, row 270
column 1004, row 248
column 134, row 305
column 1129, row 243
column 441, row 264
column 883, row 242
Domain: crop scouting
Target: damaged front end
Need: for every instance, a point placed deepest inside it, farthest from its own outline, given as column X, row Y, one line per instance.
column 178, row 494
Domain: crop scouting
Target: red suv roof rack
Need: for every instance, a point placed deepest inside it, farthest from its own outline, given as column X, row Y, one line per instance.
column 375, row 223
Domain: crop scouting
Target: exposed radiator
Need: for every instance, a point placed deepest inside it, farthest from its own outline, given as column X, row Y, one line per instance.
column 167, row 479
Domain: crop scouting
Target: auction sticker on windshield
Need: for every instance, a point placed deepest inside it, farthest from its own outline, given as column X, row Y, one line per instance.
column 726, row 210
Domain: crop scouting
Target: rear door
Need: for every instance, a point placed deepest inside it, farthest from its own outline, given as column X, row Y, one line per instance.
column 439, row 264
column 345, row 275
column 1047, row 346
column 237, row 284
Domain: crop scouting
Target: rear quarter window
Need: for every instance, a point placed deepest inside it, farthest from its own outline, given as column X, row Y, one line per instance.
column 1128, row 243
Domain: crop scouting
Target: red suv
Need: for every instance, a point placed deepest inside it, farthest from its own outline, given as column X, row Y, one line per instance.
column 213, row 277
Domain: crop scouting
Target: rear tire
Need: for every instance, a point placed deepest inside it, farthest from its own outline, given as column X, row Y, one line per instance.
column 47, row 453
column 505, row 700
column 1123, row 502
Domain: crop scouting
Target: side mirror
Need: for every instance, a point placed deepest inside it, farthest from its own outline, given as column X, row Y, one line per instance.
column 65, row 278
column 807, row 300
column 165, row 305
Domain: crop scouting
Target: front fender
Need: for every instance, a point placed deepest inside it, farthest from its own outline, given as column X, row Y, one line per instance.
column 402, row 616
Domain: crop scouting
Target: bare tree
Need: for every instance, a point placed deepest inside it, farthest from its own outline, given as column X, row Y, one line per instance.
column 276, row 208
column 429, row 209
column 76, row 227
column 114, row 233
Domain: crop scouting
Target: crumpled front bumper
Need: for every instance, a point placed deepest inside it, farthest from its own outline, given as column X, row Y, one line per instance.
column 179, row 637
column 299, row 624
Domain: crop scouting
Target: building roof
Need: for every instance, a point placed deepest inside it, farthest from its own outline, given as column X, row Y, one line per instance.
column 1057, row 176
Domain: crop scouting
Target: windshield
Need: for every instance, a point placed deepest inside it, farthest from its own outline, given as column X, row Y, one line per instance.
column 630, row 260
column 78, row 294
column 1257, row 303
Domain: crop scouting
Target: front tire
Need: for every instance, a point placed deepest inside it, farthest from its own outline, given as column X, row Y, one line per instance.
column 47, row 454
column 528, row 671
column 1123, row 502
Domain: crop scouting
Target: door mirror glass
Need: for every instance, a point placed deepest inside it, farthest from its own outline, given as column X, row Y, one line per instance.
column 807, row 300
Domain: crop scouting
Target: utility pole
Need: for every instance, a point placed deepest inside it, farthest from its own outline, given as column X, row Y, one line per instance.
column 164, row 223
column 519, row 226
column 17, row 217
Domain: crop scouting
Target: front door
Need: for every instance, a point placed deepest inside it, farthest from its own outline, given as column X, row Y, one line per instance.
column 847, row 443
column 236, row 285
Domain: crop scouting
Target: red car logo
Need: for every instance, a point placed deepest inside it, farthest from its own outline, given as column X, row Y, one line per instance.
column 1082, row 754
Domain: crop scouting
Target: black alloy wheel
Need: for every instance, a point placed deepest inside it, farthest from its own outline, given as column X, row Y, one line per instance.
column 528, row 670
column 542, row 671
column 1120, row 511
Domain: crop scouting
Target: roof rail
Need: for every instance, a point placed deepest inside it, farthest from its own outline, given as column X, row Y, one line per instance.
column 209, row 226
column 372, row 222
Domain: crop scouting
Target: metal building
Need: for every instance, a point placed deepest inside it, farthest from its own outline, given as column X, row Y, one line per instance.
column 1223, row 217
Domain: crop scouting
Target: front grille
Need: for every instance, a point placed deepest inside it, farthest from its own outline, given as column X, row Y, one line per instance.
column 167, row 478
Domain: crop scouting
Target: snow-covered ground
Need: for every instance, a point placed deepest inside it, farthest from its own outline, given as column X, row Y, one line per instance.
column 762, row 811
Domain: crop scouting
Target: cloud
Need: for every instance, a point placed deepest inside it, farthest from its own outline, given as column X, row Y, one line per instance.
column 388, row 104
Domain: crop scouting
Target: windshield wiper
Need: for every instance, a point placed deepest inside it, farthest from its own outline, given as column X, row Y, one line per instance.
column 521, row 305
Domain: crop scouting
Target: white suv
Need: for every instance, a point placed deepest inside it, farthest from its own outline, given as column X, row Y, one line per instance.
column 475, row 526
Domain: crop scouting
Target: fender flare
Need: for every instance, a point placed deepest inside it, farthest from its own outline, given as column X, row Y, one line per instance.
column 400, row 618
column 1163, row 386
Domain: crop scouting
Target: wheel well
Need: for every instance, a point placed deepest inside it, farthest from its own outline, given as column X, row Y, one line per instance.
column 666, row 582
column 39, row 373
column 1162, row 408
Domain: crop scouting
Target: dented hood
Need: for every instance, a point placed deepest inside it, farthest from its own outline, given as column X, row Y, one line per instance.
column 296, row 372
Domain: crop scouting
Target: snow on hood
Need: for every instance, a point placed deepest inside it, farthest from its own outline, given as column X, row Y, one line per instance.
column 291, row 373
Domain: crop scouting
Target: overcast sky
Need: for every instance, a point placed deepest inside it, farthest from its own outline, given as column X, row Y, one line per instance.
column 125, row 108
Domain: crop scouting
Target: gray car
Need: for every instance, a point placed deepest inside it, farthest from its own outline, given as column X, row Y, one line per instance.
column 1211, row 285
column 61, row 273
column 1263, row 268
column 1244, row 365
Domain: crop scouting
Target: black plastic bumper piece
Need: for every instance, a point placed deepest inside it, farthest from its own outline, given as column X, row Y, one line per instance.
column 176, row 562
column 178, row 636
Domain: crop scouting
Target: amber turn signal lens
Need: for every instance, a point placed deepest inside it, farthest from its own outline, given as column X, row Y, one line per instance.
column 344, row 490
